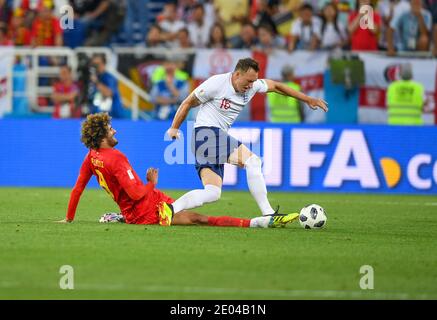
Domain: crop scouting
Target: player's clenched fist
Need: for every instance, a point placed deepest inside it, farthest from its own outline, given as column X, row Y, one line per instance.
column 173, row 133
column 152, row 175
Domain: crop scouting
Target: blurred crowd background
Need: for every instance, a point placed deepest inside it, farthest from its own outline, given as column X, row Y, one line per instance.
column 399, row 25
column 396, row 28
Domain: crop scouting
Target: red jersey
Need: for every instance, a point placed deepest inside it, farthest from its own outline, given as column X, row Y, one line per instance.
column 21, row 36
column 138, row 202
column 45, row 31
column 66, row 110
column 364, row 39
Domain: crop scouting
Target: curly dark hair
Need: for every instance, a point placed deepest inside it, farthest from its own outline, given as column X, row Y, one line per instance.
column 95, row 129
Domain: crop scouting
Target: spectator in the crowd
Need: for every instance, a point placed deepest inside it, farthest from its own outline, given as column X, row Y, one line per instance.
column 136, row 11
column 30, row 9
column 217, row 37
column 90, row 12
column 199, row 28
column 333, row 32
column 231, row 15
column 183, row 40
column 282, row 108
column 390, row 10
column 291, row 6
column 263, row 15
column 170, row 24
column 364, row 36
column 65, row 95
column 46, row 30
column 154, row 38
column 5, row 13
column 344, row 7
column 185, row 10
column 159, row 72
column 385, row 9
column 431, row 5
column 4, row 39
column 104, row 92
column 305, row 31
column 247, row 38
column 210, row 10
column 100, row 19
column 168, row 92
column 18, row 31
column 405, row 99
column 268, row 42
column 414, row 29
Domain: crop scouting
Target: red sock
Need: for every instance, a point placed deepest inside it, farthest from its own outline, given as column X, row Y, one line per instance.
column 228, row 222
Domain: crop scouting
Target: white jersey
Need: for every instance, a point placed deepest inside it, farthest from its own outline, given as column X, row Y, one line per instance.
column 221, row 104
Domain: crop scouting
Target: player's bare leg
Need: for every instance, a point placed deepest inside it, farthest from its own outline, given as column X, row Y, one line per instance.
column 188, row 218
column 193, row 218
column 209, row 177
column 244, row 158
column 212, row 183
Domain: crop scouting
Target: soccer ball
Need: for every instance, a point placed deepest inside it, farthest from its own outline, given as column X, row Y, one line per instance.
column 312, row 216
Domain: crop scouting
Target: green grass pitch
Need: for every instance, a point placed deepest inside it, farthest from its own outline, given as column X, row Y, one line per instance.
column 396, row 235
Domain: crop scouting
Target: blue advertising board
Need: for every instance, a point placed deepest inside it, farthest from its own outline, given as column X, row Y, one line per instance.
column 322, row 158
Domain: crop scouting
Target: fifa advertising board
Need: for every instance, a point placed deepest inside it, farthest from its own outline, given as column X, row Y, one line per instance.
column 370, row 159
column 313, row 158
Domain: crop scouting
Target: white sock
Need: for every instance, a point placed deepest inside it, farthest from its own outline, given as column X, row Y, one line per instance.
column 257, row 184
column 259, row 222
column 196, row 198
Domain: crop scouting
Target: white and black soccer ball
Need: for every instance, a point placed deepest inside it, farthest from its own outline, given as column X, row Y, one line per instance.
column 312, row 216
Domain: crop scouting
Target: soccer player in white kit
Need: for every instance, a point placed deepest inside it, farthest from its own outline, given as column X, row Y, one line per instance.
column 221, row 98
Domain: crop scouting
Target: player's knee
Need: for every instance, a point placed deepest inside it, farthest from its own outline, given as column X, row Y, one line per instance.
column 254, row 162
column 214, row 192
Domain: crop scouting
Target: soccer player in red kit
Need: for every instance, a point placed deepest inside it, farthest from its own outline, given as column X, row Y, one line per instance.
column 139, row 203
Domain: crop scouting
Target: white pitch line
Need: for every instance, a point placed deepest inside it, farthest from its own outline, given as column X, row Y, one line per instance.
column 383, row 203
column 430, row 203
column 254, row 292
column 272, row 293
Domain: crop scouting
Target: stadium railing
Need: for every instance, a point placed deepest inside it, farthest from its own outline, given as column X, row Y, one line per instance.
column 38, row 72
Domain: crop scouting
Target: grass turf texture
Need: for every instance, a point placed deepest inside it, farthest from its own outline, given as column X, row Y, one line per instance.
column 396, row 235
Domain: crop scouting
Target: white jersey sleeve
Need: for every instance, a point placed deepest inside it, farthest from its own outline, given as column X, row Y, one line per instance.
column 260, row 85
column 207, row 90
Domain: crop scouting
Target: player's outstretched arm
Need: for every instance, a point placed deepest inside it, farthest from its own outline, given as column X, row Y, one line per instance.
column 83, row 179
column 281, row 88
column 190, row 102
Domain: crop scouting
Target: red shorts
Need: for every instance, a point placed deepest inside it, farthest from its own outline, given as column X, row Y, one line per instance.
column 146, row 210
